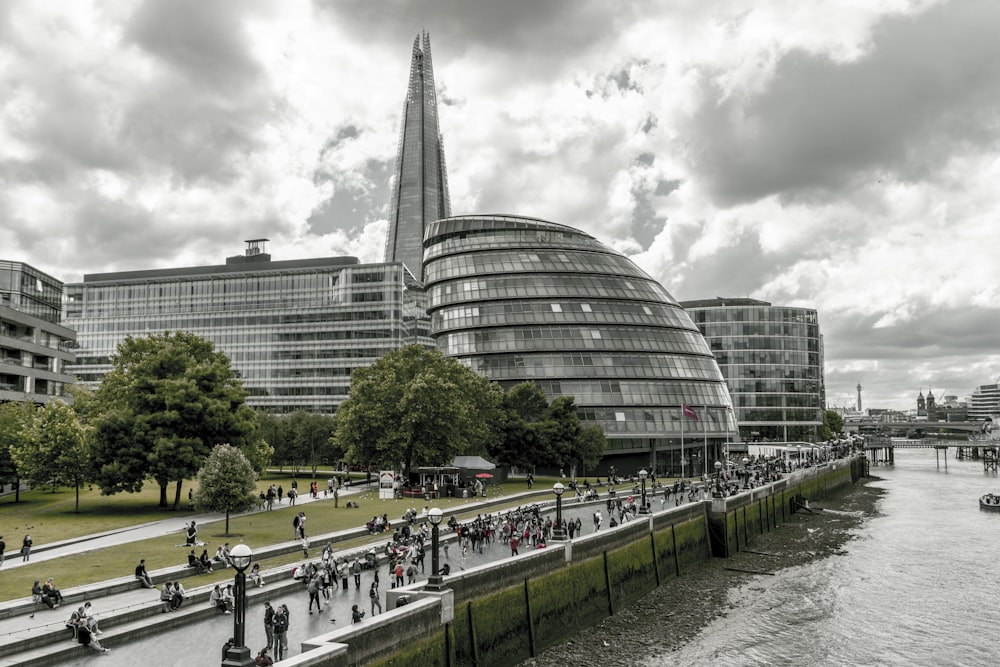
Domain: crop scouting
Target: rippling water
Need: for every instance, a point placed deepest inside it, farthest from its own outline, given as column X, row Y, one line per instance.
column 919, row 585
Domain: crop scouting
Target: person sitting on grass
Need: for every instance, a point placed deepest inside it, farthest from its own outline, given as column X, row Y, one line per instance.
column 167, row 596
column 50, row 591
column 143, row 576
column 255, row 576
column 193, row 562
column 85, row 637
column 206, row 562
column 215, row 598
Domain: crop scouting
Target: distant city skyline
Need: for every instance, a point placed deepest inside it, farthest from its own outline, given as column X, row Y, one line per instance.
column 837, row 158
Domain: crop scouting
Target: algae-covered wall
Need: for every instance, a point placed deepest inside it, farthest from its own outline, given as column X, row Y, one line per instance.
column 510, row 611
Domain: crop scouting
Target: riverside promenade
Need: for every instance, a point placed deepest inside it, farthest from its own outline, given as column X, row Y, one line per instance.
column 137, row 630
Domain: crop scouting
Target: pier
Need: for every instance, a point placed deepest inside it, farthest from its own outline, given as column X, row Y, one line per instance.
column 882, row 450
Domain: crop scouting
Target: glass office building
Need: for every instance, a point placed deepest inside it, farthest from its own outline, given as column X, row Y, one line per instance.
column 420, row 180
column 34, row 348
column 293, row 330
column 772, row 359
column 984, row 403
column 520, row 299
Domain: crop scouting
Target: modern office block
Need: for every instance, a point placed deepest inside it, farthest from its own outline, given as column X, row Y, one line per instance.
column 520, row 299
column 420, row 183
column 772, row 359
column 985, row 403
column 293, row 330
column 34, row 348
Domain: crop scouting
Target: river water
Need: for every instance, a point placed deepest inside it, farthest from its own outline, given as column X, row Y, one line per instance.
column 918, row 583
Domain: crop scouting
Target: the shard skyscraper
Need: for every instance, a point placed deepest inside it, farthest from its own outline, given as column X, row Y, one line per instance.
column 420, row 184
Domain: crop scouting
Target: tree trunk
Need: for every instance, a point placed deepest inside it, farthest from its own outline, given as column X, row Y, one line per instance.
column 177, row 495
column 77, row 497
column 17, row 489
column 227, row 523
column 163, row 493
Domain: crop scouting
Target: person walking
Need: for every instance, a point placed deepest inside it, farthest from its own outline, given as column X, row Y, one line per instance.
column 26, row 548
column 513, row 545
column 313, row 589
column 356, row 571
column 269, row 624
column 373, row 594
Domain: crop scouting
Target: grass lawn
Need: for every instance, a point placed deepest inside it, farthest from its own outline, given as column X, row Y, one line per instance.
column 49, row 517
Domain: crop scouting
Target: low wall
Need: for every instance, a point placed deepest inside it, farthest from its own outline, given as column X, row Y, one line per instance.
column 501, row 614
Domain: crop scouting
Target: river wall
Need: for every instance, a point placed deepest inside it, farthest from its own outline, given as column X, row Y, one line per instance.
column 504, row 613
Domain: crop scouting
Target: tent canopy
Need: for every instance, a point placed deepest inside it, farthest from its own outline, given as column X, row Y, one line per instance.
column 472, row 463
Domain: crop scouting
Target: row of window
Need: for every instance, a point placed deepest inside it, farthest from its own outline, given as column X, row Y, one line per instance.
column 753, row 314
column 546, row 286
column 569, row 365
column 531, row 312
column 530, row 261
column 780, row 343
column 735, row 374
column 738, row 387
column 554, row 338
column 637, row 392
column 722, row 330
column 759, row 357
column 785, row 415
column 462, row 242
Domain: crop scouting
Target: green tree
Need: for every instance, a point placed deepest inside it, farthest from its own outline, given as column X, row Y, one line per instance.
column 416, row 407
column 310, row 439
column 226, row 483
column 833, row 423
column 56, row 449
column 168, row 400
column 560, row 432
column 520, row 442
column 15, row 419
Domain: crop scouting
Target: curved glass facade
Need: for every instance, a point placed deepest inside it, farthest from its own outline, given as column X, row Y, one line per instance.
column 772, row 359
column 520, row 299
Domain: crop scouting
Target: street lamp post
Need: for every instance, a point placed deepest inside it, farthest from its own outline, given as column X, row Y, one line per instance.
column 435, row 582
column 238, row 655
column 746, row 473
column 644, row 508
column 718, row 479
column 558, row 533
column 799, row 448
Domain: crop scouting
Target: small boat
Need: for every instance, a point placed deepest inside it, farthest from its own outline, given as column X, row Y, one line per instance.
column 990, row 501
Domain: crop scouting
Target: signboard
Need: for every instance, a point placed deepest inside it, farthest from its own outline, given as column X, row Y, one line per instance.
column 386, row 485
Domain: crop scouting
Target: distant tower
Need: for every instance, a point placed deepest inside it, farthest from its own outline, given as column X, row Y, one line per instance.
column 420, row 186
column 931, row 411
column 921, row 405
column 859, row 397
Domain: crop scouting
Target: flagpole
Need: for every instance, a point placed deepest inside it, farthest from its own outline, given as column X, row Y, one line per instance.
column 704, row 464
column 682, row 441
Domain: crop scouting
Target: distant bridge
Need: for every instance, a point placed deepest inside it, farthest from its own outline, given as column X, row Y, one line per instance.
column 917, row 426
column 883, row 449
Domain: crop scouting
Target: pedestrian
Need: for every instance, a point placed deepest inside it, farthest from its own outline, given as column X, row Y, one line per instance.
column 292, row 494
column 269, row 624
column 513, row 545
column 302, row 523
column 280, row 632
column 373, row 594
column 356, row 571
column 313, row 589
column 296, row 520
column 399, row 575
column 26, row 548
column 305, row 547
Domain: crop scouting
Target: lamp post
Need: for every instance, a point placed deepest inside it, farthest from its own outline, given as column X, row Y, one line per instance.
column 718, row 479
column 558, row 533
column 238, row 655
column 799, row 448
column 644, row 508
column 746, row 473
column 435, row 582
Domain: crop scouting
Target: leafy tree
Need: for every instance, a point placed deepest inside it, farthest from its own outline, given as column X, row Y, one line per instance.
column 832, row 423
column 15, row 418
column 56, row 449
column 560, row 432
column 226, row 483
column 520, row 442
column 309, row 437
column 169, row 399
column 590, row 446
column 416, row 407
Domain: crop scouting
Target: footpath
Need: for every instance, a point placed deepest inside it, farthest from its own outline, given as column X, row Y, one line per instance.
column 32, row 634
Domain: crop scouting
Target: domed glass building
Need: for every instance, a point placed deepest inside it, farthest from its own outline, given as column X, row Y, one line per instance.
column 519, row 299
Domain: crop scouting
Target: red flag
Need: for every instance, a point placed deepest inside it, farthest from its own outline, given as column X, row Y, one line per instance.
column 688, row 411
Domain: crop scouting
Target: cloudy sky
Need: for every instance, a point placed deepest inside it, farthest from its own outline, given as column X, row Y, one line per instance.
column 840, row 156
